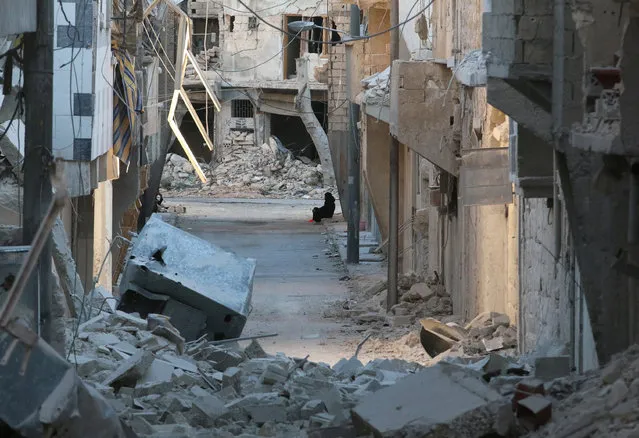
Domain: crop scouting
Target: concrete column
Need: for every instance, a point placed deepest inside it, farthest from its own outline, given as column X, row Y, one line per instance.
column 262, row 127
column 103, row 234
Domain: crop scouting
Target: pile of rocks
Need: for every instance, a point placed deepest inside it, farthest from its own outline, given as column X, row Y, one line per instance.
column 600, row 403
column 377, row 88
column 161, row 386
column 245, row 168
column 417, row 299
column 206, row 60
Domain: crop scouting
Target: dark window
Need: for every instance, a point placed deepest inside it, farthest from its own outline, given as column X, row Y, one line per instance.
column 252, row 23
column 82, row 104
column 231, row 23
column 242, row 108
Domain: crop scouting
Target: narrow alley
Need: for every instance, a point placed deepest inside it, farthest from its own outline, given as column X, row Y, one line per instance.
column 319, row 219
column 298, row 276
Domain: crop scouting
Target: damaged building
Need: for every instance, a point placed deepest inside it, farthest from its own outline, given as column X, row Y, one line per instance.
column 269, row 83
column 500, row 123
column 478, row 209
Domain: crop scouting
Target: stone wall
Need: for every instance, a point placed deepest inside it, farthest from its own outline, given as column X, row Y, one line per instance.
column 519, row 36
column 551, row 296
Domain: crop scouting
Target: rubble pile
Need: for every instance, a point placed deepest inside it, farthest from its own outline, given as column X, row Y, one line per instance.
column 417, row 299
column 597, row 404
column 206, row 60
column 268, row 170
column 377, row 88
column 163, row 387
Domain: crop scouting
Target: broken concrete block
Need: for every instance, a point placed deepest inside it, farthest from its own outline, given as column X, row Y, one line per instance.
column 255, row 350
column 206, row 410
column 48, row 391
column 131, row 370
column 140, row 425
column 612, row 372
column 428, row 401
column 347, row 367
column 494, row 344
column 232, row 377
column 179, row 362
column 178, row 403
column 262, row 413
column 549, row 368
column 223, row 358
column 151, row 388
column 216, row 282
column 323, row 419
column 401, row 320
column 159, row 371
column 128, row 319
column 418, row 292
column 311, row 408
column 174, row 418
column 273, row 374
column 535, row 410
column 100, row 339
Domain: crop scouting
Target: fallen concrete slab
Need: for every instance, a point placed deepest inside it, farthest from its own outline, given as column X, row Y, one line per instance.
column 196, row 275
column 49, row 397
column 443, row 400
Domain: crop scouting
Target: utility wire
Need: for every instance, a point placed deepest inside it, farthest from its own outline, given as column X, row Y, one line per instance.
column 351, row 38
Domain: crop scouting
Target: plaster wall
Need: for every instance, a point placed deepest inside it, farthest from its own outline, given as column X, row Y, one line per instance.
column 246, row 42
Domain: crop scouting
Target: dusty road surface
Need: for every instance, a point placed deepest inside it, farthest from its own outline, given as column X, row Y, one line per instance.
column 298, row 273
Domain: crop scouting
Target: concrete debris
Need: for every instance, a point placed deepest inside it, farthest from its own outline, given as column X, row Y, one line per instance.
column 377, row 88
column 206, row 59
column 205, row 295
column 245, row 392
column 246, row 168
column 471, row 71
column 599, row 403
column 58, row 400
column 418, row 299
column 443, row 400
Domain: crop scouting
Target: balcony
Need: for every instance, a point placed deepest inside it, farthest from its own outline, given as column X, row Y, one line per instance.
column 423, row 111
column 518, row 40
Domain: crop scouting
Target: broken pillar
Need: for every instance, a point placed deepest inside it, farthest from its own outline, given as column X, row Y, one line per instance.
column 315, row 130
column 201, row 287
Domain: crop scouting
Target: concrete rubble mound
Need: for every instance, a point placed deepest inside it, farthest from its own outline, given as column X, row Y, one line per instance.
column 600, row 403
column 377, row 88
column 224, row 390
column 246, row 168
column 418, row 299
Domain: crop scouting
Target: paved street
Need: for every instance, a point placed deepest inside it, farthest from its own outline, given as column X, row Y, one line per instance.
column 297, row 277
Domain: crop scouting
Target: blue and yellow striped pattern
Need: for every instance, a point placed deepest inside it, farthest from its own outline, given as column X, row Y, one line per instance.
column 127, row 103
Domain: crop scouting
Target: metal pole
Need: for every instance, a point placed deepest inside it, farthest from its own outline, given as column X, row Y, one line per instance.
column 352, row 241
column 38, row 194
column 393, row 184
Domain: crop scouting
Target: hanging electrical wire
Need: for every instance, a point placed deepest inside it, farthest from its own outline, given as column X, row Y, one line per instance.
column 350, row 38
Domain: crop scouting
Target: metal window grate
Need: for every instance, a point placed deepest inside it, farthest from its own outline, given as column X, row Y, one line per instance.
column 242, row 108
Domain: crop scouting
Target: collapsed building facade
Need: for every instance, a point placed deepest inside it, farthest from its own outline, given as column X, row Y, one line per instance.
column 281, row 97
